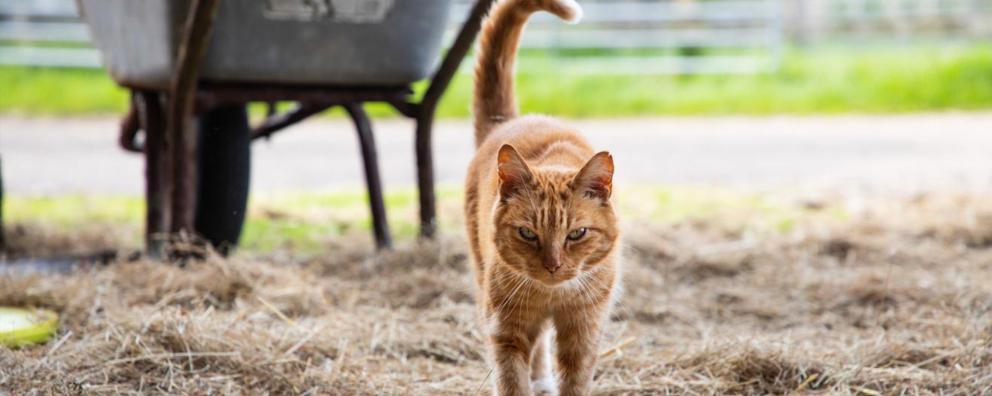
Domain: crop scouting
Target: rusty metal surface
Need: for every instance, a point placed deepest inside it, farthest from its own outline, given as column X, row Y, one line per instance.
column 216, row 94
column 157, row 176
column 170, row 142
column 373, row 181
column 196, row 35
column 425, row 115
column 130, row 125
column 276, row 122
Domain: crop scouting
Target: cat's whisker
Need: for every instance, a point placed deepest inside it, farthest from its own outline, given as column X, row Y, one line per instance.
column 528, row 290
column 586, row 291
column 521, row 281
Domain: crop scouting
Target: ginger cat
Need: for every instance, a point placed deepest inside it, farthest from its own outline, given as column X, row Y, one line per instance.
column 542, row 229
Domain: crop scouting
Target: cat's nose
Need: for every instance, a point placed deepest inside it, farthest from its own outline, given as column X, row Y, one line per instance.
column 552, row 259
column 552, row 263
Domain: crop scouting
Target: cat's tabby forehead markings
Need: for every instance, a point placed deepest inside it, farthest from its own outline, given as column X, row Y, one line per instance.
column 552, row 193
column 542, row 230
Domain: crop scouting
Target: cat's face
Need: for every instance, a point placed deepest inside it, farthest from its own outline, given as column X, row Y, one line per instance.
column 553, row 224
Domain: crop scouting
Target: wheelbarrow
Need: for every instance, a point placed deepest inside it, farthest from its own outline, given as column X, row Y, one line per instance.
column 193, row 66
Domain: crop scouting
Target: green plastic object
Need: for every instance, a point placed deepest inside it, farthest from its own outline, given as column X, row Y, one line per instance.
column 20, row 327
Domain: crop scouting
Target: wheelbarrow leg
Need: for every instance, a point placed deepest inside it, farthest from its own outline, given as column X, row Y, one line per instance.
column 425, row 174
column 3, row 241
column 425, row 114
column 157, row 181
column 380, row 224
column 182, row 146
column 182, row 140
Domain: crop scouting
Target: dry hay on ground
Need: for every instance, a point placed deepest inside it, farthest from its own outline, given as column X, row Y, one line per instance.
column 896, row 300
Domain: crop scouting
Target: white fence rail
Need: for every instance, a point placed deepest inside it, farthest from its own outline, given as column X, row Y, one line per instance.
column 814, row 21
column 44, row 33
column 663, row 36
column 619, row 36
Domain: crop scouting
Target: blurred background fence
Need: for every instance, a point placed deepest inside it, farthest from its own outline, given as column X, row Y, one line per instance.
column 44, row 33
column 616, row 36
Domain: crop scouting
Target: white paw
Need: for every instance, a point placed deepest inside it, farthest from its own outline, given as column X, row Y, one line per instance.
column 545, row 386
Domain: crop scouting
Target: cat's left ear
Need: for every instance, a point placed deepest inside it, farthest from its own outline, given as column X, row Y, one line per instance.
column 595, row 180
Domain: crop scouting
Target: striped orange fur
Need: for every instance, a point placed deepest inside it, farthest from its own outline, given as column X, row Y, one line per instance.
column 543, row 232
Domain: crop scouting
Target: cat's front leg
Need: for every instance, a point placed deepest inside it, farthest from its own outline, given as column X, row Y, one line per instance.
column 577, row 338
column 512, row 349
column 542, row 378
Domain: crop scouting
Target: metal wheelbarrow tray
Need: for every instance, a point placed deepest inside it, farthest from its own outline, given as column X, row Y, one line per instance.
column 194, row 65
column 352, row 42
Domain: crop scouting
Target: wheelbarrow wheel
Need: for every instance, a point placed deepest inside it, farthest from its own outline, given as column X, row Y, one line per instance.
column 224, row 170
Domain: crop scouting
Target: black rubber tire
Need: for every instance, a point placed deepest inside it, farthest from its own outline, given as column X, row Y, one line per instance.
column 224, row 152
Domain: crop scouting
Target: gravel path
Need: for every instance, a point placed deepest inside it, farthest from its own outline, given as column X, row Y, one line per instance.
column 54, row 156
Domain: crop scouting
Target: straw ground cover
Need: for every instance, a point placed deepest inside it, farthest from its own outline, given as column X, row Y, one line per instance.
column 856, row 295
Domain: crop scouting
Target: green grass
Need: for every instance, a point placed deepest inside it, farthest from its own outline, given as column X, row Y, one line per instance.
column 308, row 222
column 301, row 221
column 825, row 80
column 45, row 91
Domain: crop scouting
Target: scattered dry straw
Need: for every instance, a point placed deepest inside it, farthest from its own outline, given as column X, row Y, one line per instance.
column 895, row 300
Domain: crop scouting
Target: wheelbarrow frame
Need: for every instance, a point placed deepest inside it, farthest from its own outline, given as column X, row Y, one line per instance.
column 166, row 117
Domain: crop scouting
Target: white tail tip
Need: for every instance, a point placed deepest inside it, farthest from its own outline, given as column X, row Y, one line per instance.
column 576, row 10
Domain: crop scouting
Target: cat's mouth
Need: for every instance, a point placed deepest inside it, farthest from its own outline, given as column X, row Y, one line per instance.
column 555, row 279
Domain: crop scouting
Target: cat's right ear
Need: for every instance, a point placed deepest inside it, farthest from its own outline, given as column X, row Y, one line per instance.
column 595, row 179
column 514, row 174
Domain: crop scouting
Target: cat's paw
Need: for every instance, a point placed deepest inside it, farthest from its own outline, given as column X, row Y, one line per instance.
column 545, row 386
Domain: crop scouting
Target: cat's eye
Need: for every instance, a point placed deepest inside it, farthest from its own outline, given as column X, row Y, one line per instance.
column 527, row 234
column 577, row 234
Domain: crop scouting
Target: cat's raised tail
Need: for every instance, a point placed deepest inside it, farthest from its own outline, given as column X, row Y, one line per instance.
column 494, row 101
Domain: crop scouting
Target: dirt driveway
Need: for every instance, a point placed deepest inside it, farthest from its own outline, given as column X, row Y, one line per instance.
column 51, row 156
